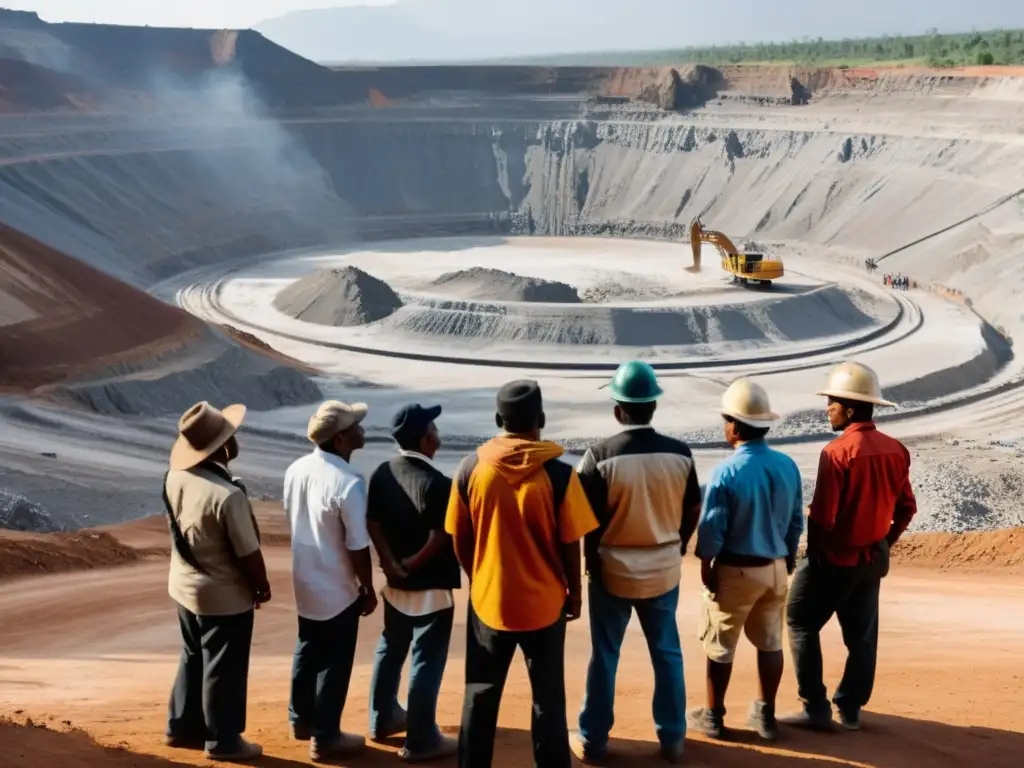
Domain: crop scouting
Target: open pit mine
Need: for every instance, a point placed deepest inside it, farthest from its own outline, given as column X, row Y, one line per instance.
column 195, row 215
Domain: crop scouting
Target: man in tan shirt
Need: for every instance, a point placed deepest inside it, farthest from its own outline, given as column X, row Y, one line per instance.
column 217, row 578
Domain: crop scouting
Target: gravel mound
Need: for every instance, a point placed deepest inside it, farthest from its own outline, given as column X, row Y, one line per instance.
column 338, row 297
column 495, row 285
column 19, row 514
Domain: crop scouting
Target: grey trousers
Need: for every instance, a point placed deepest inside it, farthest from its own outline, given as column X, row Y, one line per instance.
column 208, row 700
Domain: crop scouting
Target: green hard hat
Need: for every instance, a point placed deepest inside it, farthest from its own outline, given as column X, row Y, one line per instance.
column 635, row 382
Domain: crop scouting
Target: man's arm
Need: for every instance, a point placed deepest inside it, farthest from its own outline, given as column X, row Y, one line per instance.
column 906, row 508
column 712, row 529
column 237, row 518
column 357, row 541
column 796, row 522
column 458, row 523
column 595, row 487
column 438, row 542
column 828, row 489
column 375, row 515
column 575, row 520
column 691, row 508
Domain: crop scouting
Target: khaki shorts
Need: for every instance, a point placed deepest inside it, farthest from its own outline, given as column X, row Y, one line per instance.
column 750, row 600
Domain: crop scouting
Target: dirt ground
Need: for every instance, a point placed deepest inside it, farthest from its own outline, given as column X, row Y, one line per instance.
column 88, row 657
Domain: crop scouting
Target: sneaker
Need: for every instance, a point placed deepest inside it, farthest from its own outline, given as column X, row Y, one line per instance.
column 395, row 727
column 762, row 719
column 185, row 742
column 707, row 722
column 810, row 720
column 301, row 732
column 586, row 753
column 850, row 719
column 673, row 753
column 242, row 752
column 446, row 747
column 345, row 745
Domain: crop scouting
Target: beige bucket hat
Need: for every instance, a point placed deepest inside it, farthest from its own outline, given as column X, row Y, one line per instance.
column 202, row 430
column 332, row 418
column 748, row 402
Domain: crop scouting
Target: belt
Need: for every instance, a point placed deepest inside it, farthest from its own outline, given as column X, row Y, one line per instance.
column 743, row 561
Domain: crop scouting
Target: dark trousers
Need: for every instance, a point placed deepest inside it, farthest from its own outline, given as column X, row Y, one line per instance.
column 429, row 637
column 488, row 657
column 818, row 592
column 208, row 700
column 321, row 671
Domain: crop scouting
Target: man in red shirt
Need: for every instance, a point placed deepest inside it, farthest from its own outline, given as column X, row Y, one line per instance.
column 862, row 504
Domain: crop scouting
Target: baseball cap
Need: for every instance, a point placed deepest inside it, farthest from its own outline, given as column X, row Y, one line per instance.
column 412, row 421
column 333, row 417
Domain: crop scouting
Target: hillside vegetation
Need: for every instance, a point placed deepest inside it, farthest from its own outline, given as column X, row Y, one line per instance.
column 1000, row 47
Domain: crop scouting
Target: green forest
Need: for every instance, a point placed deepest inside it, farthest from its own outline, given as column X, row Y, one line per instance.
column 932, row 49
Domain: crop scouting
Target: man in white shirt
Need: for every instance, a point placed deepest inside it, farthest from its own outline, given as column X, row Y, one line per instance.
column 408, row 501
column 332, row 575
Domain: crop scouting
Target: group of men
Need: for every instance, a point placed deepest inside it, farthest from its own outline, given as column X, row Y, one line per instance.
column 513, row 519
column 896, row 282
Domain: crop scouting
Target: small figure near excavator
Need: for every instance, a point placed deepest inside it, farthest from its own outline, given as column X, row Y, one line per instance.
column 744, row 267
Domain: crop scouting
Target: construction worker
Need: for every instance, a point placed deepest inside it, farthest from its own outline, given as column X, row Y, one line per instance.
column 644, row 490
column 516, row 517
column 747, row 540
column 863, row 502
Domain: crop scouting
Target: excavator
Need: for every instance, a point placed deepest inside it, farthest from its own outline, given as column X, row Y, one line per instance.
column 744, row 267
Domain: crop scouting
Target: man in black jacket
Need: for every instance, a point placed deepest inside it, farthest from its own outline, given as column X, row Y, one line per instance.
column 408, row 499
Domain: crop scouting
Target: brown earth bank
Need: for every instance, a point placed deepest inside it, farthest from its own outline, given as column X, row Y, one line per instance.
column 27, row 554
column 91, row 655
column 61, row 319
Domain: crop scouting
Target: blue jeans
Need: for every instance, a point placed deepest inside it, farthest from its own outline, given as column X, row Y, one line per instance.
column 429, row 637
column 609, row 616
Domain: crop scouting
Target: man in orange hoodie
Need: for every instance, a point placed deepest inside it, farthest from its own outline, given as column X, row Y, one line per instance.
column 516, row 516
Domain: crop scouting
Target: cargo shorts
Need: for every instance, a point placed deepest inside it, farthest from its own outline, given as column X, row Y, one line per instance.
column 750, row 601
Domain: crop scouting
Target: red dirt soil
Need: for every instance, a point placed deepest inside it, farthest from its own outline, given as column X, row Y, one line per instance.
column 71, row 320
column 98, row 649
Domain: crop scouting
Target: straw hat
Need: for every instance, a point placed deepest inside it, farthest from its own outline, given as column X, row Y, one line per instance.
column 332, row 418
column 202, row 431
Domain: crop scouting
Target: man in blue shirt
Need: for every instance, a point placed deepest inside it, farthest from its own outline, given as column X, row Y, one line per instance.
column 747, row 540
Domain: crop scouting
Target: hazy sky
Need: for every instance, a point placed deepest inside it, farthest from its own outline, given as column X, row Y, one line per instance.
column 174, row 13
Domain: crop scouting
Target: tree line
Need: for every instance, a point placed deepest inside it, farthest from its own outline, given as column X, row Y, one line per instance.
column 932, row 49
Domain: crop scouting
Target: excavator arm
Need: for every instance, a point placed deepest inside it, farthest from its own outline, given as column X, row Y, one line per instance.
column 744, row 267
column 699, row 235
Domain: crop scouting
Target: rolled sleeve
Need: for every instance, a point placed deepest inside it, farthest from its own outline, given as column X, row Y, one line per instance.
column 237, row 518
column 353, row 516
column 714, row 519
column 577, row 518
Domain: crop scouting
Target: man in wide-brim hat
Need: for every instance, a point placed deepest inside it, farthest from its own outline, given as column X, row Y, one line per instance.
column 217, row 578
column 863, row 502
column 747, row 540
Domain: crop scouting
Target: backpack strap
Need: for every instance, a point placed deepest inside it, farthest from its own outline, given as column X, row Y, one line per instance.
column 178, row 540
column 559, row 473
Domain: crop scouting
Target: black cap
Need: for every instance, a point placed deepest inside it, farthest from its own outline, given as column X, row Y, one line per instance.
column 519, row 402
column 412, row 421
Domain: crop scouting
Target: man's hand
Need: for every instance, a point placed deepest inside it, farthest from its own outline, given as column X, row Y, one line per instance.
column 573, row 606
column 406, row 565
column 393, row 572
column 262, row 595
column 369, row 603
column 709, row 576
column 790, row 564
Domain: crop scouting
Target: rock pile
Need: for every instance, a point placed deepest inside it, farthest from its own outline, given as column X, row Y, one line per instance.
column 339, row 297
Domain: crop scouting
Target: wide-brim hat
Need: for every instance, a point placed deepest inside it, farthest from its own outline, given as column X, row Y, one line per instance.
column 747, row 401
column 756, row 420
column 202, row 431
column 332, row 418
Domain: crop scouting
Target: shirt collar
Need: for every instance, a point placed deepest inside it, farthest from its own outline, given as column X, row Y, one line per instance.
column 752, row 446
column 860, row 426
column 416, row 455
column 331, row 458
column 636, row 427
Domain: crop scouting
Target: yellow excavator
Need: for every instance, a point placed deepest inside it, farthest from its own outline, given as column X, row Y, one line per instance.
column 744, row 267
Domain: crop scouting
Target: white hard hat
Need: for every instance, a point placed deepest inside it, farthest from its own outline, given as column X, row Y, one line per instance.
column 856, row 382
column 748, row 402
